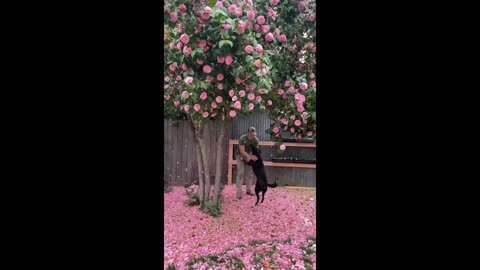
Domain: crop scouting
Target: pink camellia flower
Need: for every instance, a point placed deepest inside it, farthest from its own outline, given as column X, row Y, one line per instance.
column 219, row 4
column 258, row 98
column 298, row 123
column 269, row 37
column 265, row 70
column 202, row 43
column 238, row 80
column 299, row 136
column 167, row 79
column 251, row 15
column 167, row 97
column 313, row 84
column 220, row 86
column 284, row 121
column 260, row 20
column 314, row 49
column 248, row 49
column 184, row 94
column 171, row 45
column 300, row 108
column 188, row 80
column 172, row 67
column 304, row 86
column 276, row 32
column 196, row 107
column 232, row 8
column 302, row 5
column 184, row 38
column 173, row 16
column 283, row 38
column 207, row 69
column 261, row 91
column 228, row 60
column 311, row 17
column 310, row 133
column 182, row 8
column 259, row 49
column 200, row 61
column 227, row 26
column 300, row 97
column 238, row 11
column 287, row 83
column 231, row 93
column 251, row 106
column 233, row 114
column 251, row 96
column 184, row 67
column 252, row 87
column 203, row 96
column 258, row 63
column 284, row 96
column 269, row 102
column 275, row 2
column 282, row 147
column 219, row 99
column 205, row 114
column 234, row 98
column 205, row 16
column 187, row 50
column 291, row 89
column 208, row 9
column 176, row 103
column 209, row 79
column 237, row 105
column 179, row 45
column 241, row 93
column 265, row 28
column 220, row 76
column 292, row 117
column 220, row 59
column 187, row 107
column 179, row 78
column 292, row 130
column 241, row 27
column 256, row 27
column 281, row 92
column 293, row 48
column 213, row 105
column 275, row 130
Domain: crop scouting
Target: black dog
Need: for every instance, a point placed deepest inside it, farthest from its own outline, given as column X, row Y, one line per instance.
column 259, row 171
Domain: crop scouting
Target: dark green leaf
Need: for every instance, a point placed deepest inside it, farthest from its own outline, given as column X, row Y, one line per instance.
column 211, row 3
column 223, row 42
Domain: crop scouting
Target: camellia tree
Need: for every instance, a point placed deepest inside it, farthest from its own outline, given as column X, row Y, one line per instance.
column 223, row 58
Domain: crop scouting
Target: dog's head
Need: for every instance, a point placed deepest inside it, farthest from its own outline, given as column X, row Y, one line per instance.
column 256, row 151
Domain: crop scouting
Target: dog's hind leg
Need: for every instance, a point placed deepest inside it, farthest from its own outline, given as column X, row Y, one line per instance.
column 258, row 197
column 263, row 194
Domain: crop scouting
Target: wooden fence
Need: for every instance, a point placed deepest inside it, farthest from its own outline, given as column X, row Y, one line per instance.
column 180, row 160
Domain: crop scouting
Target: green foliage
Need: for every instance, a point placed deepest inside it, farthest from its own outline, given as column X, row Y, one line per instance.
column 171, row 267
column 211, row 209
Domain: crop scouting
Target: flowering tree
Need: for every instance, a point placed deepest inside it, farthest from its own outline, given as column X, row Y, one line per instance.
column 228, row 57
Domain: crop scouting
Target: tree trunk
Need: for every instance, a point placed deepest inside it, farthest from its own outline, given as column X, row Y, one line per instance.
column 201, row 184
column 219, row 163
column 206, row 167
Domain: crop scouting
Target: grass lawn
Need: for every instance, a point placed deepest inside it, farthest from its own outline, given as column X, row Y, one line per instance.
column 278, row 234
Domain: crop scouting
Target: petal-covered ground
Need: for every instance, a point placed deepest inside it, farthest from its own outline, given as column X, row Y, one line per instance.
column 280, row 233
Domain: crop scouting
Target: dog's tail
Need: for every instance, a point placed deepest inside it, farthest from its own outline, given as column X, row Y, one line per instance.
column 274, row 185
